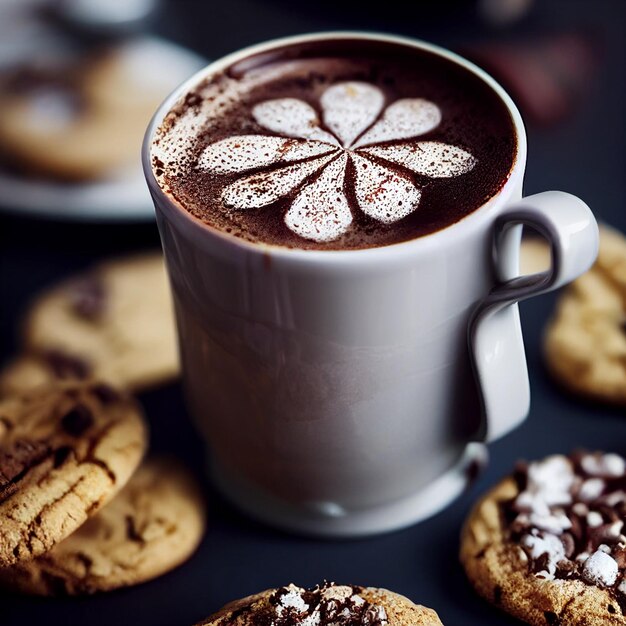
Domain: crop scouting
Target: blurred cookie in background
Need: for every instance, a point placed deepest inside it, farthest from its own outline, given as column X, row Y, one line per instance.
column 585, row 342
column 546, row 75
column 535, row 255
column 84, row 119
column 78, row 86
column 114, row 323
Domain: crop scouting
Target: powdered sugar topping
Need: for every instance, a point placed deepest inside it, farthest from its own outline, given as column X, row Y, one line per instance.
column 323, row 605
column 549, row 545
column 600, row 569
column 569, row 518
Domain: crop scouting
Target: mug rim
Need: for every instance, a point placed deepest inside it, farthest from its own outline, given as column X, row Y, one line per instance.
column 190, row 223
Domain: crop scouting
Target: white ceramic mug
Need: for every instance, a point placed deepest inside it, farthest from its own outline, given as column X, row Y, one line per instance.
column 337, row 389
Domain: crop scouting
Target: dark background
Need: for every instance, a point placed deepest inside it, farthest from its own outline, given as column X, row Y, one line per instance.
column 581, row 152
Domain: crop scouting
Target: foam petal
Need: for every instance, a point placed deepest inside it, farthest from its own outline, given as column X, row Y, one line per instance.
column 246, row 152
column 291, row 117
column 350, row 107
column 382, row 193
column 320, row 211
column 258, row 190
column 430, row 158
column 405, row 118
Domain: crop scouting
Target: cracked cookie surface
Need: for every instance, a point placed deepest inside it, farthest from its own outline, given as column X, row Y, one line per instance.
column 153, row 525
column 547, row 545
column 65, row 451
column 585, row 342
column 114, row 323
column 323, row 605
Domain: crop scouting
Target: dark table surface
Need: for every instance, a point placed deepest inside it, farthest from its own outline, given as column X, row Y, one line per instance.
column 583, row 154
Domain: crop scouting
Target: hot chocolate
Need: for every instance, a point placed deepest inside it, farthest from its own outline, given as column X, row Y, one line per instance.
column 336, row 144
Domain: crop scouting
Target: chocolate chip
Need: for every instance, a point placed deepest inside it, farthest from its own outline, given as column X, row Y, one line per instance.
column 330, row 610
column 105, row 393
column 131, row 531
column 576, row 457
column 540, row 564
column 17, row 461
column 6, row 423
column 22, row 455
column 88, row 298
column 576, row 529
column 566, row 568
column 520, row 475
column 569, row 544
column 372, row 616
column 610, row 609
column 65, row 366
column 552, row 619
column 61, row 455
column 345, row 611
column 56, row 585
column 608, row 512
column 77, row 421
column 619, row 554
column 7, row 490
column 84, row 559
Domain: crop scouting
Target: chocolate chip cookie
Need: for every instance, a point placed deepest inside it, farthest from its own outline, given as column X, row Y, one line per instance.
column 64, row 452
column 114, row 323
column 153, row 525
column 585, row 342
column 548, row 544
column 323, row 605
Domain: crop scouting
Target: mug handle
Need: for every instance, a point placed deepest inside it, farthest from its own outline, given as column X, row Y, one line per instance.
column 494, row 333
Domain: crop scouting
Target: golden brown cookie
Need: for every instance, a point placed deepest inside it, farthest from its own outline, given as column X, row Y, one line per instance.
column 585, row 342
column 114, row 323
column 547, row 544
column 323, row 605
column 152, row 526
column 64, row 452
column 534, row 255
column 78, row 121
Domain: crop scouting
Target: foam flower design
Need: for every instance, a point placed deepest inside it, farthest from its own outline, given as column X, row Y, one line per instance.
column 309, row 157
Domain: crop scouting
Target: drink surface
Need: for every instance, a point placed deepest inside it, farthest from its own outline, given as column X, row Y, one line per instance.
column 336, row 144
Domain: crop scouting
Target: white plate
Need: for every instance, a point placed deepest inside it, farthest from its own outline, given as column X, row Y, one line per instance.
column 120, row 198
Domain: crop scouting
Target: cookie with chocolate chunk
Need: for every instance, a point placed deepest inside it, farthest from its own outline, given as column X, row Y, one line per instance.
column 548, row 544
column 323, row 605
column 64, row 452
column 153, row 525
column 585, row 342
column 114, row 323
